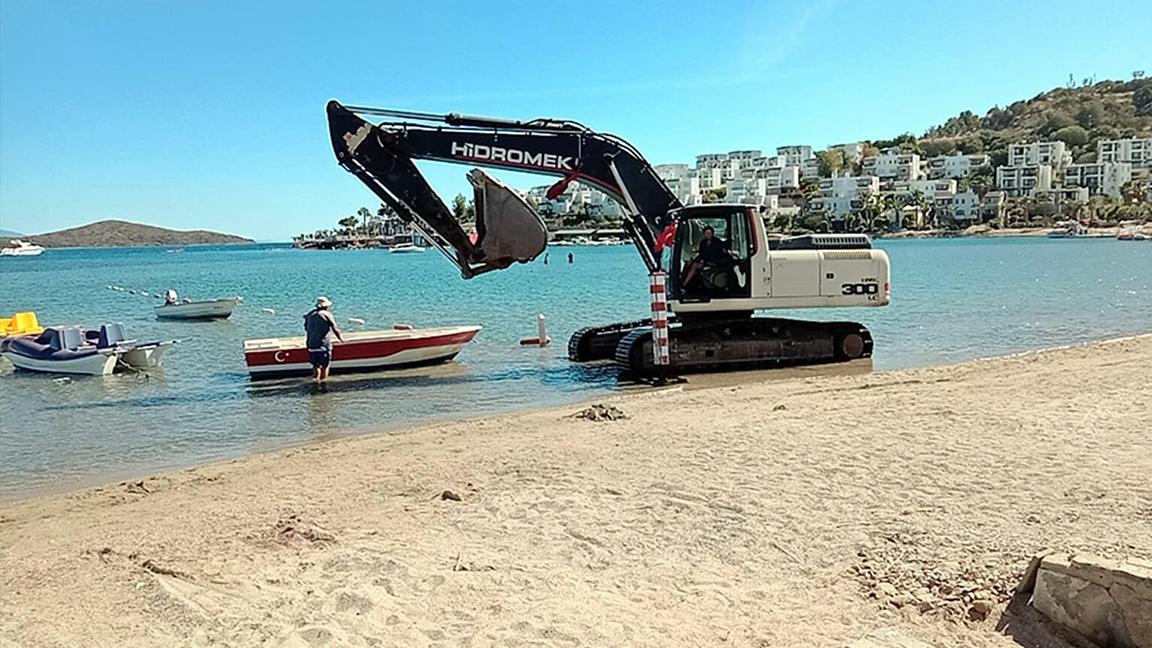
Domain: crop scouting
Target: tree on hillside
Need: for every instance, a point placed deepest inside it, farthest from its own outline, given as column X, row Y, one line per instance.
column 982, row 180
column 997, row 118
column 1092, row 114
column 830, row 162
column 348, row 222
column 1142, row 98
column 460, row 207
column 815, row 223
column 364, row 214
column 1072, row 135
column 932, row 148
column 1056, row 120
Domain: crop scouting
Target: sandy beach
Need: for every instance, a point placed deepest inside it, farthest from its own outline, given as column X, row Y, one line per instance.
column 798, row 512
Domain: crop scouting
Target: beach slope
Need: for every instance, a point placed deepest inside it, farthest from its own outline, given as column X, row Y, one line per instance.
column 797, row 512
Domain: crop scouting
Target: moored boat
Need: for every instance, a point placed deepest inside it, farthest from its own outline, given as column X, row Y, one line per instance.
column 21, row 248
column 197, row 310
column 361, row 351
column 406, row 248
column 72, row 350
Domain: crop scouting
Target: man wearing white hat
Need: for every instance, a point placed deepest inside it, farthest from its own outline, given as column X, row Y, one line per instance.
column 320, row 326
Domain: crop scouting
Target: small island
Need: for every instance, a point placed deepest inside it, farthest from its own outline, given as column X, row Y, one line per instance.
column 117, row 233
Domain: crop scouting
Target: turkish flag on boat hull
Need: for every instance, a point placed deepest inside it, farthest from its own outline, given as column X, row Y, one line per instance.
column 666, row 237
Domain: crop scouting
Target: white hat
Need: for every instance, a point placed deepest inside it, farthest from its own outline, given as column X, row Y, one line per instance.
column 323, row 302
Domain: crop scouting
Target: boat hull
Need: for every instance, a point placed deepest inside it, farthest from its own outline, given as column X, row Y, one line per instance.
column 202, row 310
column 97, row 364
column 362, row 351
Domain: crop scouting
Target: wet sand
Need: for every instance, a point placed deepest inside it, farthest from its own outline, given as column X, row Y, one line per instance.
column 805, row 511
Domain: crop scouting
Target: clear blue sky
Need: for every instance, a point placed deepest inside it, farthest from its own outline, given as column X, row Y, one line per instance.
column 211, row 114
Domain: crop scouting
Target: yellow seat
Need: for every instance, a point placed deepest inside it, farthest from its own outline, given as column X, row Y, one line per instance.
column 21, row 324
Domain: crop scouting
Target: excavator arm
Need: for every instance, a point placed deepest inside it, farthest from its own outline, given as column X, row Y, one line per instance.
column 508, row 229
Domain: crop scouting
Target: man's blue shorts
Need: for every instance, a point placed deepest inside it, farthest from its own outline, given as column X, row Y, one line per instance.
column 320, row 357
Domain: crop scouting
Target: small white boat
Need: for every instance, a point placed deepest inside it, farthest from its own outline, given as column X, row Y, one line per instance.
column 406, row 248
column 72, row 350
column 21, row 248
column 360, row 351
column 197, row 310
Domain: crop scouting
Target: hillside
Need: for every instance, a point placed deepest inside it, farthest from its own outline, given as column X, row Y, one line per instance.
column 9, row 234
column 115, row 233
column 1079, row 116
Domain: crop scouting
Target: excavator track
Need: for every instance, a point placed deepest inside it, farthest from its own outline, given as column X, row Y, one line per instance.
column 744, row 344
column 599, row 342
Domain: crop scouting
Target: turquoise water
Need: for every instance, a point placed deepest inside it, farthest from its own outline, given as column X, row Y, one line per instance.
column 952, row 300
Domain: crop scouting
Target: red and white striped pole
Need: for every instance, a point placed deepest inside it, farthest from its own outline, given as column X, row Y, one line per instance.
column 659, row 318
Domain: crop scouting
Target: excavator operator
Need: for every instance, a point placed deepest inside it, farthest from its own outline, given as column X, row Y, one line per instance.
column 711, row 251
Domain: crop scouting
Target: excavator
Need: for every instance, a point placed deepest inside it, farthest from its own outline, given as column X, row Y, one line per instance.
column 713, row 297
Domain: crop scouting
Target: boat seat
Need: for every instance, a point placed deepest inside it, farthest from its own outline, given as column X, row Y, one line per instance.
column 111, row 334
column 72, row 337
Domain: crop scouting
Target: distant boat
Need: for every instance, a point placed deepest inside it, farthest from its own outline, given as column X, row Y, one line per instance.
column 208, row 309
column 72, row 350
column 360, row 351
column 21, row 248
column 1068, row 230
column 406, row 248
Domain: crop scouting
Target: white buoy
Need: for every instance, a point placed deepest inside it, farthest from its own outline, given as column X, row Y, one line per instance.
column 542, row 329
column 355, row 320
column 268, row 310
column 541, row 339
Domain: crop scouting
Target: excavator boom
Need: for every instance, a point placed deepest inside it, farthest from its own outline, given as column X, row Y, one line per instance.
column 508, row 229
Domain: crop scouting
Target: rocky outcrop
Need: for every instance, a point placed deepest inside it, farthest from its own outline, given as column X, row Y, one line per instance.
column 1108, row 602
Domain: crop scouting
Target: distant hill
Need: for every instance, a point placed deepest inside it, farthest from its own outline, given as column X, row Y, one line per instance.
column 116, row 233
column 1078, row 116
column 9, row 234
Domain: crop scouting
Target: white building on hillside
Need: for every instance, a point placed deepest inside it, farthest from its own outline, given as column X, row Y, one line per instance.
column 962, row 208
column 1022, row 180
column 1053, row 154
column 682, row 181
column 853, row 152
column 929, row 188
column 955, row 166
column 795, row 155
column 1061, row 195
column 1135, row 151
column 1104, row 178
column 780, row 177
column 842, row 195
column 893, row 164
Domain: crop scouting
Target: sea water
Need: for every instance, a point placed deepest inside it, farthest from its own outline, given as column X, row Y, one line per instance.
column 952, row 300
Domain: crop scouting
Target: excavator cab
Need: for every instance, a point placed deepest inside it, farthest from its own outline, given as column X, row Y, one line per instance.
column 701, row 271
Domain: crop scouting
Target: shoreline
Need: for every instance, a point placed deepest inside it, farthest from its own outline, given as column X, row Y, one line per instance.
column 398, row 428
column 766, row 512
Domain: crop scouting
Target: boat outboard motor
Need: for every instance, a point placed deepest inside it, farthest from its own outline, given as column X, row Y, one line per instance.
column 508, row 228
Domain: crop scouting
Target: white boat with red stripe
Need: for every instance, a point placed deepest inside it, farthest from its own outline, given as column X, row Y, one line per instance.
column 398, row 348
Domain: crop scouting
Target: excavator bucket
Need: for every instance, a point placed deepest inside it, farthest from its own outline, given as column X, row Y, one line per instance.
column 508, row 228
